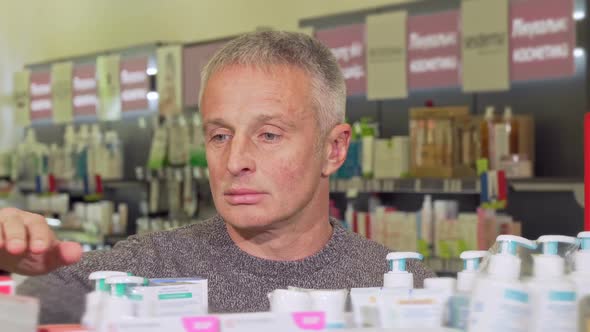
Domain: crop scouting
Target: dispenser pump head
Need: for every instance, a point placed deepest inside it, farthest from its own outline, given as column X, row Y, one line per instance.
column 584, row 238
column 550, row 243
column 509, row 244
column 397, row 260
column 471, row 259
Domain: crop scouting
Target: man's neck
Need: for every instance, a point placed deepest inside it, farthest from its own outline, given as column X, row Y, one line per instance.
column 289, row 240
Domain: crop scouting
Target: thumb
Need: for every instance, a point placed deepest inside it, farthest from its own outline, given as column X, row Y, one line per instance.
column 69, row 252
column 61, row 254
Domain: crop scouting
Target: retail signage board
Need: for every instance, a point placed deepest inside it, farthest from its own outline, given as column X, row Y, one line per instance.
column 169, row 79
column 195, row 58
column 85, row 98
column 348, row 44
column 434, row 50
column 135, row 83
column 62, row 92
column 542, row 39
column 109, row 87
column 484, row 55
column 22, row 113
column 387, row 56
column 40, row 95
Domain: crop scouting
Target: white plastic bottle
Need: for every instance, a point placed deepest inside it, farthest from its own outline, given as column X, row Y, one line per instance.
column 95, row 299
column 500, row 302
column 552, row 294
column 397, row 276
column 581, row 279
column 459, row 303
column 426, row 219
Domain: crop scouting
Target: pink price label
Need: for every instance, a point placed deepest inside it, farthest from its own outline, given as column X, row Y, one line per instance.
column 201, row 324
column 313, row 321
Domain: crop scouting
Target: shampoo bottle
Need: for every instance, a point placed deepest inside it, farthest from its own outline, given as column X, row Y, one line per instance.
column 459, row 303
column 581, row 279
column 397, row 276
column 552, row 295
column 447, row 286
column 500, row 302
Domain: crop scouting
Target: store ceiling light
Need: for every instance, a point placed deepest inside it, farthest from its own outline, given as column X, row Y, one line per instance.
column 579, row 52
column 151, row 71
column 152, row 95
column 579, row 15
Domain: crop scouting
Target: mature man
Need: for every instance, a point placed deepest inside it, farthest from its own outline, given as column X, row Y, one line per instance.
column 273, row 110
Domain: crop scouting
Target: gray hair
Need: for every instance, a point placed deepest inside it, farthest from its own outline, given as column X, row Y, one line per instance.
column 266, row 48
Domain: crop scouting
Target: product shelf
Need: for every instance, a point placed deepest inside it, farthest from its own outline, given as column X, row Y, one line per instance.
column 465, row 186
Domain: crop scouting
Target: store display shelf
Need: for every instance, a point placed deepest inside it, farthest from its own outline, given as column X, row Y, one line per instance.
column 545, row 185
column 77, row 188
column 467, row 186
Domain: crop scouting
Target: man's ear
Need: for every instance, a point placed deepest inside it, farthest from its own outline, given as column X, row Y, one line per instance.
column 336, row 148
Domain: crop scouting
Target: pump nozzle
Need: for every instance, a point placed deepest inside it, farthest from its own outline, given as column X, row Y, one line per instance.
column 99, row 277
column 398, row 277
column 121, row 282
column 471, row 260
column 550, row 264
column 584, row 238
column 397, row 260
column 550, row 242
column 509, row 243
column 506, row 263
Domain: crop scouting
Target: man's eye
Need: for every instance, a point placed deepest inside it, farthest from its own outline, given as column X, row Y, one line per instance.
column 220, row 138
column 270, row 136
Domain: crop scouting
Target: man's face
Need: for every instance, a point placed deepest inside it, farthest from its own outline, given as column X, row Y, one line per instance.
column 261, row 140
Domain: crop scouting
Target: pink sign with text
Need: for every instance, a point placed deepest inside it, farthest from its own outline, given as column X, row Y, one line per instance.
column 84, row 90
column 135, row 83
column 348, row 44
column 542, row 39
column 434, row 50
column 40, row 94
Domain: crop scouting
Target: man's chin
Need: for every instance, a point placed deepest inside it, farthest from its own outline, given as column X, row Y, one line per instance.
column 248, row 220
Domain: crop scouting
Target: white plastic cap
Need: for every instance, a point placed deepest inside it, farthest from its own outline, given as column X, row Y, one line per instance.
column 471, row 260
column 550, row 264
column 582, row 257
column 100, row 278
column 398, row 277
column 506, row 264
column 445, row 284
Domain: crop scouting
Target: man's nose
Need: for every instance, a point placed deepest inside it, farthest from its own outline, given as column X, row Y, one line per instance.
column 240, row 160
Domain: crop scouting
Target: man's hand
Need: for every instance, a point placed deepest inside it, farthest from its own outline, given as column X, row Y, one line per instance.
column 29, row 247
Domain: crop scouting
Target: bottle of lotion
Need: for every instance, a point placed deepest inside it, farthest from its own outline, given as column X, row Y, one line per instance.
column 500, row 302
column 459, row 303
column 581, row 278
column 552, row 295
column 397, row 276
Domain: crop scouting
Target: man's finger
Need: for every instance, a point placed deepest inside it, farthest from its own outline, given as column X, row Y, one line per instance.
column 40, row 235
column 1, row 237
column 15, row 235
column 69, row 252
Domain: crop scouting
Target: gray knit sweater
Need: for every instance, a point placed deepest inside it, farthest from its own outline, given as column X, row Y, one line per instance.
column 238, row 282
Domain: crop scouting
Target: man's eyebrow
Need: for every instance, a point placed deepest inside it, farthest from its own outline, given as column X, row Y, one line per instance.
column 269, row 117
column 216, row 122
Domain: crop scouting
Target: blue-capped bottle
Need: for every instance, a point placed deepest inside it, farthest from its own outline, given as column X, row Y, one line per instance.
column 552, row 294
column 500, row 301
